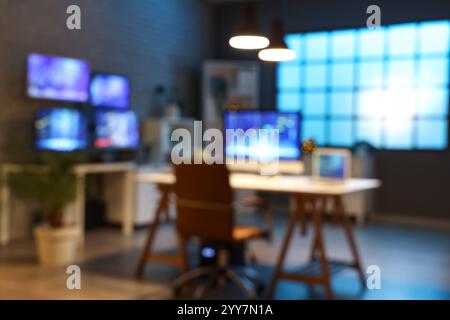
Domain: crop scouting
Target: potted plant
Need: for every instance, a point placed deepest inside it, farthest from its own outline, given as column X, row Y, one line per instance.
column 52, row 187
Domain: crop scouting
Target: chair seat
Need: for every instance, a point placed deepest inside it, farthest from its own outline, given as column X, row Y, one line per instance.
column 242, row 233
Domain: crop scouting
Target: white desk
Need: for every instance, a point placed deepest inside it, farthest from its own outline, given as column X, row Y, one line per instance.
column 5, row 201
column 125, row 204
column 125, row 192
column 284, row 167
column 303, row 192
column 284, row 184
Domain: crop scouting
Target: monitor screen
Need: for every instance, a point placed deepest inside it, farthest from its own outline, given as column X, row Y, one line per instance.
column 109, row 91
column 57, row 78
column 116, row 129
column 288, row 125
column 60, row 129
column 331, row 166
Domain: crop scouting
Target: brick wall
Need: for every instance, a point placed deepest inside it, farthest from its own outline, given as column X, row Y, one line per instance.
column 148, row 40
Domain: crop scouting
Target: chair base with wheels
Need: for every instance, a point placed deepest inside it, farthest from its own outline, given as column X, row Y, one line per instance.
column 245, row 278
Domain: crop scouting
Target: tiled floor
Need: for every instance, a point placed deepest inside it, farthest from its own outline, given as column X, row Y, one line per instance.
column 414, row 263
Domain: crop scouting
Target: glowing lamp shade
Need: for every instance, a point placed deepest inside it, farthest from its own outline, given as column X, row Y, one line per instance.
column 278, row 50
column 277, row 54
column 248, row 42
column 247, row 35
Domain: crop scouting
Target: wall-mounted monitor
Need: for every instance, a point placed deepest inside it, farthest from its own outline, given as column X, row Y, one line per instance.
column 109, row 91
column 57, row 78
column 288, row 125
column 60, row 129
column 116, row 130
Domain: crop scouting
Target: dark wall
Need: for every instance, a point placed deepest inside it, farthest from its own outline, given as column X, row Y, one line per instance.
column 414, row 183
column 153, row 42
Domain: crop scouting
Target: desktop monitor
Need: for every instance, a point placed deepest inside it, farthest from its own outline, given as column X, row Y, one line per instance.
column 60, row 129
column 331, row 164
column 288, row 125
column 109, row 91
column 116, row 130
column 57, row 78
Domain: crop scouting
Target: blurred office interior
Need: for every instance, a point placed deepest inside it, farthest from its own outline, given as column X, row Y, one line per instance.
column 358, row 207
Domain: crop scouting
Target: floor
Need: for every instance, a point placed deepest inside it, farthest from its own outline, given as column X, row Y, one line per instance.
column 414, row 264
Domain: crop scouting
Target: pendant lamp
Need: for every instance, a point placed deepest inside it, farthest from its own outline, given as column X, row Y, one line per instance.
column 247, row 35
column 278, row 49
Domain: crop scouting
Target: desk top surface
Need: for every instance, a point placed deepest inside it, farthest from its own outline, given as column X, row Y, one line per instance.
column 81, row 168
column 243, row 181
column 278, row 183
column 85, row 168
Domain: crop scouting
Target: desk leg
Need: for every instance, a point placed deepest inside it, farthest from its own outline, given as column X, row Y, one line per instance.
column 80, row 206
column 165, row 210
column 5, row 208
column 301, row 208
column 319, row 246
column 128, row 208
column 152, row 230
column 287, row 238
column 349, row 233
column 314, row 248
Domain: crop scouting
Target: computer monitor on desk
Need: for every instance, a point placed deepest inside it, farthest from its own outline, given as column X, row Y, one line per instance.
column 287, row 150
column 116, row 135
column 331, row 165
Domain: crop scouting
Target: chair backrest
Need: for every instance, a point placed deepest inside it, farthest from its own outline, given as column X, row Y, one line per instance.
column 204, row 201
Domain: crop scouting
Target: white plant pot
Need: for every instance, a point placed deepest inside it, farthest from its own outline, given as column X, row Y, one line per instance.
column 56, row 246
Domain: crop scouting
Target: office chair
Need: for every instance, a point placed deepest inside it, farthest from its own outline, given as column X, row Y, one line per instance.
column 205, row 210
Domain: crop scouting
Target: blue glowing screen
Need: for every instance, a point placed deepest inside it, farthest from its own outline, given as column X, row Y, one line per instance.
column 109, row 90
column 287, row 124
column 57, row 78
column 116, row 129
column 60, row 129
column 331, row 166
